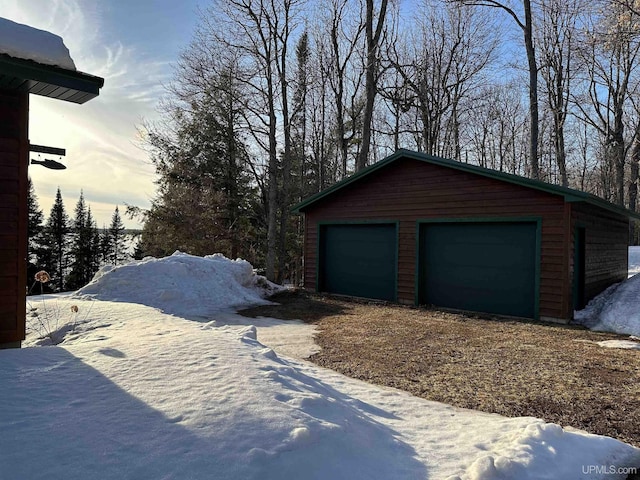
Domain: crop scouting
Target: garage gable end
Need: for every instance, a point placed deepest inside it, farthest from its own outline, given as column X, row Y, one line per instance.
column 568, row 194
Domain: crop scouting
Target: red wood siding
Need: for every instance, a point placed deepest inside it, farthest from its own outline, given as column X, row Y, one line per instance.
column 606, row 247
column 14, row 146
column 408, row 190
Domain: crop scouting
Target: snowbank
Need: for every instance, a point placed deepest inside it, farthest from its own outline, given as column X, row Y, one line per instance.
column 181, row 284
column 617, row 309
column 21, row 41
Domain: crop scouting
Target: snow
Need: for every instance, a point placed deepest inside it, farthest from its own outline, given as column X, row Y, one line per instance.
column 634, row 260
column 169, row 390
column 616, row 309
column 625, row 344
column 181, row 284
column 21, row 41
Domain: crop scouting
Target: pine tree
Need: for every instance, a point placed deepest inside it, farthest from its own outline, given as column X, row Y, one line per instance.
column 84, row 251
column 105, row 246
column 94, row 250
column 55, row 244
column 34, row 226
column 34, row 231
column 206, row 201
column 116, row 236
column 36, row 216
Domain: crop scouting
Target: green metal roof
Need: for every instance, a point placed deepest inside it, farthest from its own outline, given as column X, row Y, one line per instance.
column 46, row 80
column 569, row 194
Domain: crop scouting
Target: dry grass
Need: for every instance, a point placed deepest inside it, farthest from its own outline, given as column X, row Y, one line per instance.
column 510, row 367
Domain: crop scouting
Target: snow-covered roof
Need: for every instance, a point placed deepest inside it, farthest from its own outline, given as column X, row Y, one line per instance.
column 38, row 62
column 28, row 43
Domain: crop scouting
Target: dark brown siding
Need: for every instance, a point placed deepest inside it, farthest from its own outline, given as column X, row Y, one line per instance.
column 13, row 214
column 408, row 190
column 606, row 247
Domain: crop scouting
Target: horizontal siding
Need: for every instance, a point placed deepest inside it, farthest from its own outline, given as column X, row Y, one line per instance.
column 606, row 247
column 13, row 215
column 409, row 190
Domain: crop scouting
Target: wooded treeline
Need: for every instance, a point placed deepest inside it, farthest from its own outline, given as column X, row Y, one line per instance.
column 275, row 100
column 70, row 250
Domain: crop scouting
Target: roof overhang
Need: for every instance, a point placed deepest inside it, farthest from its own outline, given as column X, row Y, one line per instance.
column 569, row 194
column 49, row 81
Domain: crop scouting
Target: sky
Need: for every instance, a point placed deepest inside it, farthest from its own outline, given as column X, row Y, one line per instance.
column 132, row 46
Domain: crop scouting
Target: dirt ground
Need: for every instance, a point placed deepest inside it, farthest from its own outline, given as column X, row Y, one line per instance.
column 509, row 367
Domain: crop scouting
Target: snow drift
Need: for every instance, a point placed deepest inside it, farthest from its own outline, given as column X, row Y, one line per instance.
column 181, row 284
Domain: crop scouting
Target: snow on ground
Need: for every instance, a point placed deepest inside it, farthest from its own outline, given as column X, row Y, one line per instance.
column 625, row 344
column 634, row 260
column 133, row 392
column 21, row 41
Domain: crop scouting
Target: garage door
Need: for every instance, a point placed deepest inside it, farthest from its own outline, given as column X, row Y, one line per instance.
column 358, row 260
column 483, row 267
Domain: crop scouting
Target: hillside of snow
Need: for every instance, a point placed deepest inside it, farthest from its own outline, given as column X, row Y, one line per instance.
column 150, row 391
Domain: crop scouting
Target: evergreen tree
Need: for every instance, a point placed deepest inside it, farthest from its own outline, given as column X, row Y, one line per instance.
column 206, row 202
column 116, row 238
column 34, row 226
column 36, row 217
column 55, row 243
column 84, row 263
column 94, row 252
column 34, row 232
column 105, row 246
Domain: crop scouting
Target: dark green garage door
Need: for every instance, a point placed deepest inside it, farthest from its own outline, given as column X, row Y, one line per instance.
column 358, row 260
column 483, row 267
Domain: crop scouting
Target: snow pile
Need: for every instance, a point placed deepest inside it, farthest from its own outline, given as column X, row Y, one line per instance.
column 181, row 284
column 634, row 260
column 136, row 393
column 617, row 309
column 21, row 41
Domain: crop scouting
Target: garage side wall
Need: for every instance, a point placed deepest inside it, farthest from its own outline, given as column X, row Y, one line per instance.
column 606, row 247
column 14, row 147
column 409, row 190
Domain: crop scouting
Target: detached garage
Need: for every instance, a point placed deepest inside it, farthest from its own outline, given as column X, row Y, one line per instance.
column 424, row 230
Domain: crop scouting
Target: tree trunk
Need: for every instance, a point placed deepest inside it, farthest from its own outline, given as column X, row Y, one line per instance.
column 533, row 91
column 634, row 173
column 272, row 208
column 373, row 41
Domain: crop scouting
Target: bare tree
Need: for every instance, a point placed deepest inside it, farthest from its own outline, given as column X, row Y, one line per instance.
column 557, row 41
column 440, row 61
column 610, row 58
column 495, row 137
column 259, row 32
column 524, row 21
column 374, row 23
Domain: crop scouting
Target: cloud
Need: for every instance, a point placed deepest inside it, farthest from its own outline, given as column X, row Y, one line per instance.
column 103, row 157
